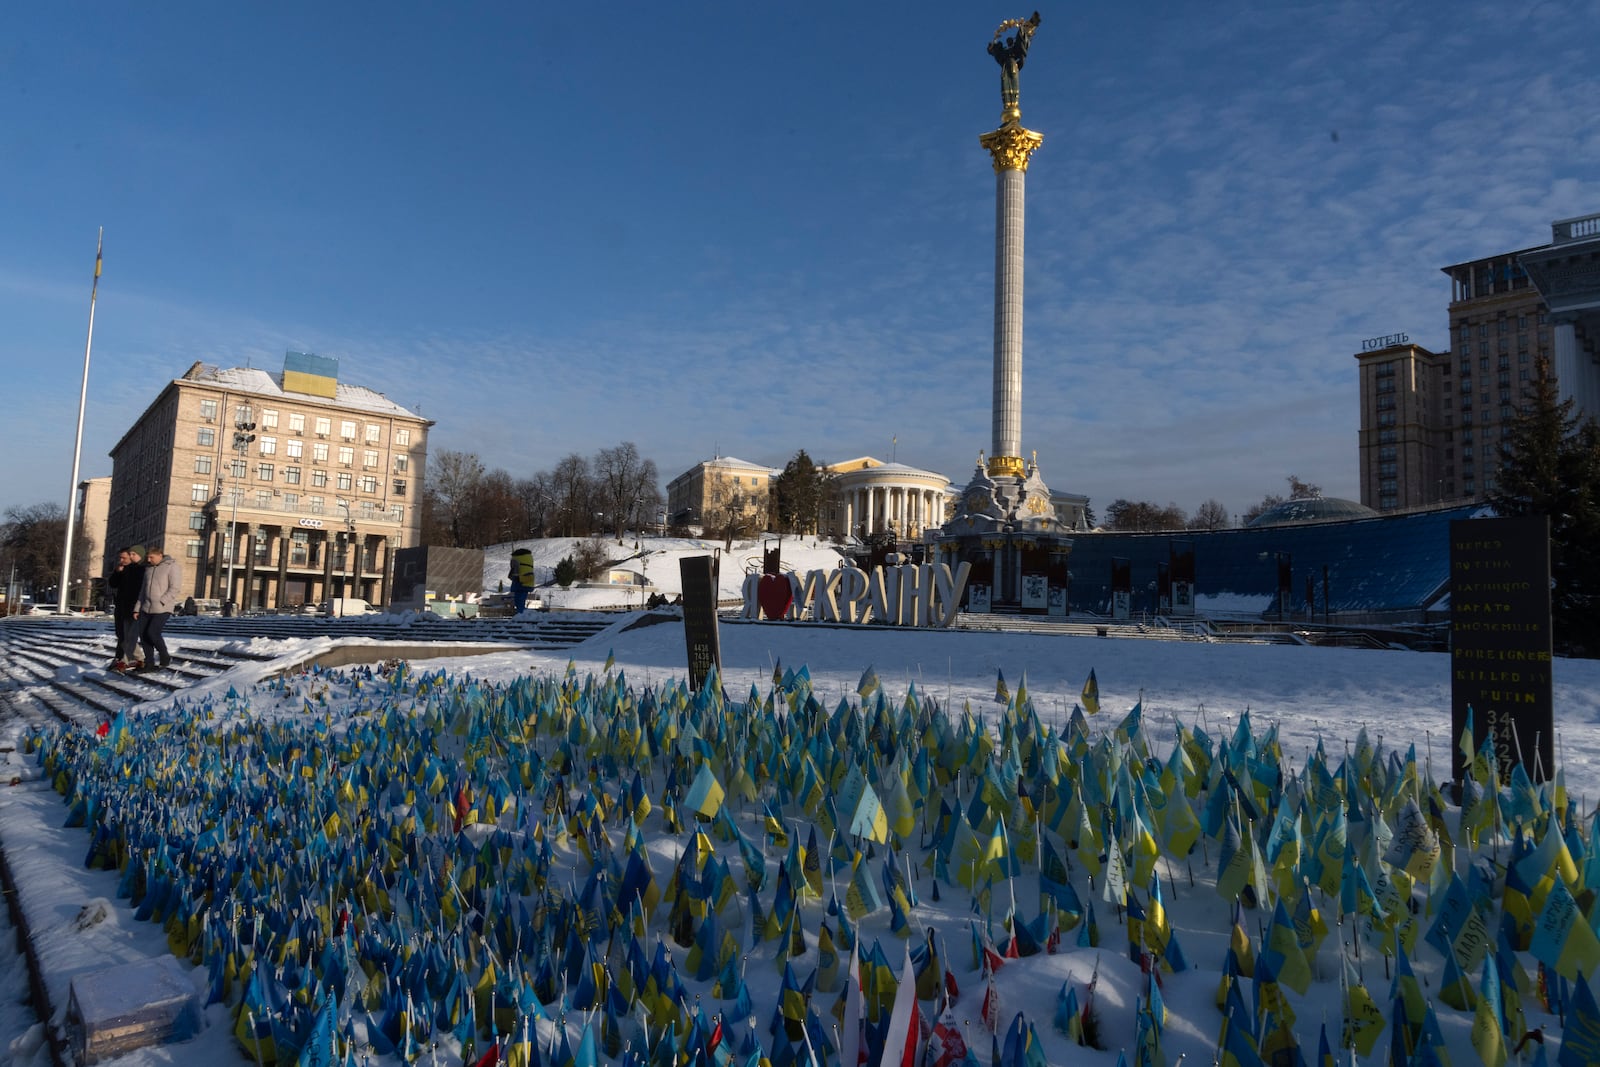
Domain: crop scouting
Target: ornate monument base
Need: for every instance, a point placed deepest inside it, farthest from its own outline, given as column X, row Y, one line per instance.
column 1005, row 527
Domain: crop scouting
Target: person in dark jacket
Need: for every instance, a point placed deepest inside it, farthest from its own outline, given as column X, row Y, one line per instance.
column 126, row 581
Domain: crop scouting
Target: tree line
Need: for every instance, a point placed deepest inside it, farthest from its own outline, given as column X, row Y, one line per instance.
column 1143, row 515
column 465, row 505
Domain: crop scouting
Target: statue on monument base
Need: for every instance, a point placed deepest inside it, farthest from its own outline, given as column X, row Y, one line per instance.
column 1011, row 53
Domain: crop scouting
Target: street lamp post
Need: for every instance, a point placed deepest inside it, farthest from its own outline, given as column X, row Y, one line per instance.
column 349, row 547
column 243, row 433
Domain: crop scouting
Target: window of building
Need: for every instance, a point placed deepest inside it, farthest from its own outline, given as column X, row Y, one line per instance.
column 1483, row 361
column 1387, row 470
column 297, row 422
column 1522, row 375
column 401, row 463
column 319, row 479
column 1483, row 329
column 191, row 549
column 324, row 426
column 1505, row 411
column 291, row 502
column 319, row 452
column 208, row 410
column 1386, row 436
column 369, row 457
column 314, row 504
column 206, row 437
column 347, row 429
column 1448, row 401
column 1386, row 418
column 343, row 481
column 402, row 436
column 269, row 446
column 1387, row 452
column 200, row 492
column 299, row 548
column 202, row 464
column 269, row 419
column 264, row 499
column 294, row 448
column 399, row 487
column 374, row 433
column 347, row 455
column 397, row 513
column 291, row 475
column 264, row 472
column 238, row 468
column 369, row 484
column 197, row 520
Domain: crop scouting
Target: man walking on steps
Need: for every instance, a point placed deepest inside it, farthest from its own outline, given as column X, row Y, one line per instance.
column 126, row 582
column 163, row 579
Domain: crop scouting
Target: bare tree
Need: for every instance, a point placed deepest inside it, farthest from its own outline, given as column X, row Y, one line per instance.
column 452, row 495
column 1143, row 515
column 32, row 542
column 574, row 495
column 1210, row 515
column 625, row 487
column 497, row 514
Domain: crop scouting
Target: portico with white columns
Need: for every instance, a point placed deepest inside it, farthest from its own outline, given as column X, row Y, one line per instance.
column 871, row 496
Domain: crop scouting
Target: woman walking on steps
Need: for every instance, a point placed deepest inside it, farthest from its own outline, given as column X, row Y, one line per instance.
column 163, row 578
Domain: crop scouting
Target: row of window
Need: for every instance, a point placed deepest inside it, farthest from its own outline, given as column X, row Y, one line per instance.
column 313, row 505
column 371, row 432
column 265, row 472
column 293, row 448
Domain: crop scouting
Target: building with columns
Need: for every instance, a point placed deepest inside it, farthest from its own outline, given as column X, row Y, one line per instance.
column 274, row 490
column 870, row 496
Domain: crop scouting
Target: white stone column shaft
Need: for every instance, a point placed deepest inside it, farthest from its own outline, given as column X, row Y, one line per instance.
column 1009, row 204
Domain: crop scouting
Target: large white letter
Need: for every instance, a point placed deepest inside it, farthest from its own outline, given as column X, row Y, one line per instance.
column 950, row 589
column 853, row 598
column 752, row 598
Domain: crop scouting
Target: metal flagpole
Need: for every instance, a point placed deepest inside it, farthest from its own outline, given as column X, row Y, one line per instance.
column 62, row 607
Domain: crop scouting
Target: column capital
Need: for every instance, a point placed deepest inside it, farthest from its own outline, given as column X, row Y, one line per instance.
column 1010, row 146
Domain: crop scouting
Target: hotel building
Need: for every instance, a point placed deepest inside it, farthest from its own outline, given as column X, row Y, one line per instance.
column 274, row 490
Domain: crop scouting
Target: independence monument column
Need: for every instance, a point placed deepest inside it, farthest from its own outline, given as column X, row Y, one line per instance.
column 1009, row 146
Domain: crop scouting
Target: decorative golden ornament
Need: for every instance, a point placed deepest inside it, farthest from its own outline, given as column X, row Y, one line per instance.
column 1037, row 506
column 1007, row 466
column 1010, row 146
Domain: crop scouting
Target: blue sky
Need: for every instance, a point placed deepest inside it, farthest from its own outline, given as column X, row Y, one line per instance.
column 754, row 228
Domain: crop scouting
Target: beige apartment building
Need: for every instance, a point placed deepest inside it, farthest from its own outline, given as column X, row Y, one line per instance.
column 714, row 491
column 1433, row 424
column 274, row 490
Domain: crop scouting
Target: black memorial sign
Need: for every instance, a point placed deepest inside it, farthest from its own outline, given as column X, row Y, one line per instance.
column 1500, row 640
column 699, row 577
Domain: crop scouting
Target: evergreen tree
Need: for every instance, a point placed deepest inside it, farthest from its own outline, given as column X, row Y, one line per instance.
column 798, row 495
column 1550, row 465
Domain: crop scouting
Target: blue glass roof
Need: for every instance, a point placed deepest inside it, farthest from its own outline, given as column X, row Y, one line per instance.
column 1394, row 563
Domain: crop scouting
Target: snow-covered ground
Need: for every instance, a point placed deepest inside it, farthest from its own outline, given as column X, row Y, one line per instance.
column 1309, row 695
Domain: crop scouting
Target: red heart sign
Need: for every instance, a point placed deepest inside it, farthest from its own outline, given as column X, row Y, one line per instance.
column 774, row 594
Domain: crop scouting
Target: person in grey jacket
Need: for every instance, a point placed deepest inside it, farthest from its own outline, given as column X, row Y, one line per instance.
column 163, row 579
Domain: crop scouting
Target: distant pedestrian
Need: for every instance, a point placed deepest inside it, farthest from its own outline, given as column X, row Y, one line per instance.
column 127, row 582
column 521, row 575
column 163, row 578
